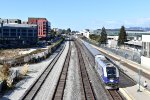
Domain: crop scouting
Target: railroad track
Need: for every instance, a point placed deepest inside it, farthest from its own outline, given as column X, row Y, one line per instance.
column 59, row 91
column 35, row 87
column 125, row 80
column 86, row 87
column 115, row 95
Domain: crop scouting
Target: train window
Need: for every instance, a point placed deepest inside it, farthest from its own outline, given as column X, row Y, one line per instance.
column 111, row 72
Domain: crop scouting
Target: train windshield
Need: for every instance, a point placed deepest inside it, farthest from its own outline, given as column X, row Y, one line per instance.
column 111, row 72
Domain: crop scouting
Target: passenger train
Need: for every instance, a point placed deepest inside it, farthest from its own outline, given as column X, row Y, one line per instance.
column 108, row 73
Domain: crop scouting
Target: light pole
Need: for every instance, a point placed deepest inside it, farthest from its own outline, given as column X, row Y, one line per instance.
column 139, row 70
column 139, row 74
column 139, row 90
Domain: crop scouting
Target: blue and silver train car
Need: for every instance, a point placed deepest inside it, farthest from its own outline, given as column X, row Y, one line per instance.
column 107, row 72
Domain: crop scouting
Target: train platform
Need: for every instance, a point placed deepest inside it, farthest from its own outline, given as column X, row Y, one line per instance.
column 131, row 92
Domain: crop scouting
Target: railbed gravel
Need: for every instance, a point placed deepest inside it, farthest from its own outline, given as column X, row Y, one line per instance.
column 98, row 88
column 72, row 90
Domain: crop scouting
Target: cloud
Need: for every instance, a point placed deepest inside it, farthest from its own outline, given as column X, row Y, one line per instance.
column 140, row 22
column 106, row 24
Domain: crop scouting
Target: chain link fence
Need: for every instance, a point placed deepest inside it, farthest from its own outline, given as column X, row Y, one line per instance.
column 127, row 54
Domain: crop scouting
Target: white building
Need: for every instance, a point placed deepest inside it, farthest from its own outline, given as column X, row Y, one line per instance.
column 85, row 33
column 112, row 41
column 145, row 58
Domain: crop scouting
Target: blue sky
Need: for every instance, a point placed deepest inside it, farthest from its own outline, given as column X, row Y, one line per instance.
column 81, row 14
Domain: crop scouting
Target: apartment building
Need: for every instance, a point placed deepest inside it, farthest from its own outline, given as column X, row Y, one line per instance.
column 18, row 35
column 43, row 26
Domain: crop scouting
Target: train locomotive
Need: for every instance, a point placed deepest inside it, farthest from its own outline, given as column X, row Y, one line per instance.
column 108, row 73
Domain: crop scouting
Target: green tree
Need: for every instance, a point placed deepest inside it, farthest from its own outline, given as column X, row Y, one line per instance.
column 68, row 30
column 103, row 38
column 52, row 33
column 94, row 37
column 122, row 36
column 63, row 31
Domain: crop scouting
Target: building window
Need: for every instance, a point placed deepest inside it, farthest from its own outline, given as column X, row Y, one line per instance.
column 35, row 34
column 146, row 49
column 5, row 34
column 35, row 31
column 24, row 30
column 30, row 34
column 144, row 45
column 5, row 30
column 0, row 32
column 30, row 31
column 24, row 34
column 144, row 53
column 13, row 34
column 13, row 30
column 18, row 30
column 18, row 34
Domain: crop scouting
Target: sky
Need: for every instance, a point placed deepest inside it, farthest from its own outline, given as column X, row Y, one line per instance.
column 81, row 14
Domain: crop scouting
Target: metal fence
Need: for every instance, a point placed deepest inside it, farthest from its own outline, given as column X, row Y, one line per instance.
column 130, row 55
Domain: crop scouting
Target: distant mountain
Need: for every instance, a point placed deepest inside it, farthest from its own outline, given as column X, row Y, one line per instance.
column 138, row 29
column 147, row 29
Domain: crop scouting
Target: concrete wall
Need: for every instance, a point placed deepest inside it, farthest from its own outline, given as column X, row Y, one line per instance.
column 112, row 43
column 145, row 38
column 113, row 37
column 145, row 62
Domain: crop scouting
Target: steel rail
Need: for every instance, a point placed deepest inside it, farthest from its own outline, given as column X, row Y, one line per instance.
column 35, row 87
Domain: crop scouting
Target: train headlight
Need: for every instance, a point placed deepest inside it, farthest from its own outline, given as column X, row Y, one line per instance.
column 111, row 80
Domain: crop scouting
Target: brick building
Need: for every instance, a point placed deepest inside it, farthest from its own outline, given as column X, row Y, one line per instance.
column 43, row 26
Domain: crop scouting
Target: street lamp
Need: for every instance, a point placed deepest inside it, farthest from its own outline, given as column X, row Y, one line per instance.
column 139, row 74
column 139, row 70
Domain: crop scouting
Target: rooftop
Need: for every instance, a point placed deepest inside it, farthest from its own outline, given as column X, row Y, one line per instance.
column 138, row 32
column 19, row 25
column 36, row 18
column 9, row 19
column 136, row 43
